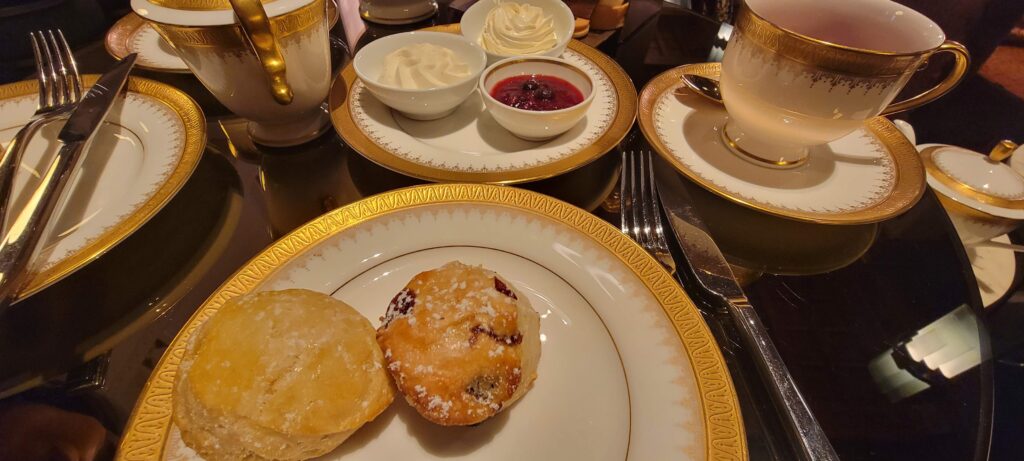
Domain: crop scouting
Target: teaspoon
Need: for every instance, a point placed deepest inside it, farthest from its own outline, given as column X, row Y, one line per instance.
column 703, row 86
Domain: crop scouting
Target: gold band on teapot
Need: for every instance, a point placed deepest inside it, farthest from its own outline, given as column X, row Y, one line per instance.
column 199, row 5
column 229, row 36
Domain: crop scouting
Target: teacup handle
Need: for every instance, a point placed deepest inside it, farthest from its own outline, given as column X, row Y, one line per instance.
column 256, row 29
column 963, row 60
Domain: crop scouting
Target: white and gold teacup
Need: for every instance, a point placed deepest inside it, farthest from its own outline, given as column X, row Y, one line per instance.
column 802, row 73
column 268, row 61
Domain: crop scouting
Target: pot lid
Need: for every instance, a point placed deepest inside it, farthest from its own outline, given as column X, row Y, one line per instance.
column 977, row 177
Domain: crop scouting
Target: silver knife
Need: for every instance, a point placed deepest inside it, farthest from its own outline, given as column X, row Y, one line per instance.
column 716, row 278
column 18, row 246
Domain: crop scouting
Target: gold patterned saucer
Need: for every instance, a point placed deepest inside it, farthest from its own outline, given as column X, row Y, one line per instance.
column 137, row 161
column 657, row 387
column 469, row 145
column 131, row 34
column 871, row 175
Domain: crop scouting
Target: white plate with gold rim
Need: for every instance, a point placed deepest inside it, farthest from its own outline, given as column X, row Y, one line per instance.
column 469, row 145
column 132, row 34
column 628, row 368
column 871, row 175
column 142, row 154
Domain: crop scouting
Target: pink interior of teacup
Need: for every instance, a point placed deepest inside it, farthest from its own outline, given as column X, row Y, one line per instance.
column 878, row 25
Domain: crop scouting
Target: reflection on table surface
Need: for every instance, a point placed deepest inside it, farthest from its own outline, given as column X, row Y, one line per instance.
column 858, row 312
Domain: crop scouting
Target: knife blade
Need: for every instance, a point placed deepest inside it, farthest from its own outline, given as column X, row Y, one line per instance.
column 715, row 277
column 19, row 244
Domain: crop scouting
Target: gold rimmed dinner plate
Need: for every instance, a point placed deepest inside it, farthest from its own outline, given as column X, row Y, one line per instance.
column 870, row 175
column 628, row 368
column 469, row 145
column 132, row 34
column 139, row 158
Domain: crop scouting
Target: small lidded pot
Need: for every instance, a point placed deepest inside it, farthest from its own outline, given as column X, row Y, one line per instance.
column 983, row 195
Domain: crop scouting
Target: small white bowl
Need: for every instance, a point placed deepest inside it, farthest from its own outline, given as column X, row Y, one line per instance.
column 472, row 24
column 536, row 125
column 422, row 104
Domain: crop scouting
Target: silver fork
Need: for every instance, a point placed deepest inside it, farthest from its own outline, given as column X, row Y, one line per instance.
column 60, row 89
column 639, row 206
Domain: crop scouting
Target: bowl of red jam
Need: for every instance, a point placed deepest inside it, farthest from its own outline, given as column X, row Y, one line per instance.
column 536, row 98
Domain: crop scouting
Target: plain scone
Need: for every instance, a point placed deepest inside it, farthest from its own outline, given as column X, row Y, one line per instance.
column 461, row 344
column 279, row 375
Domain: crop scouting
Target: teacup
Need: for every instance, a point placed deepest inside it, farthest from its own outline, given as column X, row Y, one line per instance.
column 801, row 73
column 270, row 63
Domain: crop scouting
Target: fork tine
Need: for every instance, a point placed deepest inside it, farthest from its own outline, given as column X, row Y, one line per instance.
column 40, row 73
column 74, row 78
column 61, row 68
column 635, row 198
column 50, row 71
column 625, row 200
column 658, row 231
column 645, row 201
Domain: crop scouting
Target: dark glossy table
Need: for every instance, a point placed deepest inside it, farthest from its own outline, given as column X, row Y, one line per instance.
column 835, row 298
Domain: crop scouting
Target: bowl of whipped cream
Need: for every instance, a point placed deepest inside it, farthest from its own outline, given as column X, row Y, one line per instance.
column 508, row 28
column 423, row 75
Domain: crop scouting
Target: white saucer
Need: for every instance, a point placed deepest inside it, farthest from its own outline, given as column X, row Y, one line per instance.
column 132, row 34
column 870, row 175
column 994, row 268
column 469, row 145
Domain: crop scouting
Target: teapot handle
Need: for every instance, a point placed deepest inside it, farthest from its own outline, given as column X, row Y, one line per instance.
column 256, row 29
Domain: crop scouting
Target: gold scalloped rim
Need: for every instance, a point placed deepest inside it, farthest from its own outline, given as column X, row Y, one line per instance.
column 909, row 177
column 149, row 424
column 341, row 117
column 194, row 127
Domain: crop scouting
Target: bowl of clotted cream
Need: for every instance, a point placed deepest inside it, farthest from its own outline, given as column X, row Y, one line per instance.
column 507, row 28
column 423, row 75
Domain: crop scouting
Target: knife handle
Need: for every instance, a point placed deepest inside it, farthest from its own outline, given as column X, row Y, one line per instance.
column 19, row 244
column 802, row 427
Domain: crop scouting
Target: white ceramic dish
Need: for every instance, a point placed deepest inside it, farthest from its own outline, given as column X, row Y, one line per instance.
column 419, row 104
column 531, row 124
column 628, row 368
column 868, row 176
column 469, row 145
column 140, row 157
column 473, row 21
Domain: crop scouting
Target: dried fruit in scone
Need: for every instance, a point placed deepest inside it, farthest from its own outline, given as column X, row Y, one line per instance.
column 461, row 344
column 279, row 375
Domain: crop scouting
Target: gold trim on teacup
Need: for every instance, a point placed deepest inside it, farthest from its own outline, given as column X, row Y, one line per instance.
column 724, row 438
column 960, row 187
column 341, row 116
column 194, row 123
column 229, row 36
column 199, row 5
column 908, row 178
column 822, row 54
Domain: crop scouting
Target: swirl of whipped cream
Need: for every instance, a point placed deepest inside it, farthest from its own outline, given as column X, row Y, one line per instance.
column 518, row 28
column 422, row 65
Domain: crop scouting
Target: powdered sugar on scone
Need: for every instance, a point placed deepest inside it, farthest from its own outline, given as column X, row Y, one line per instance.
column 454, row 342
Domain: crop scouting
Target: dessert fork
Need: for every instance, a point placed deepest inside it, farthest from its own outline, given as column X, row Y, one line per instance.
column 60, row 89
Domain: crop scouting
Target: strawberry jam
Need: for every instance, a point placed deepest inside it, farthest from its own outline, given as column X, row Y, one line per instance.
column 536, row 92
